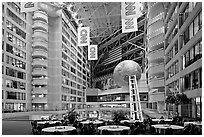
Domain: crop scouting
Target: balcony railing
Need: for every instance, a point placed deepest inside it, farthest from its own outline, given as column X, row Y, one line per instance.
column 39, row 72
column 40, row 53
column 40, row 81
column 39, row 62
column 41, row 16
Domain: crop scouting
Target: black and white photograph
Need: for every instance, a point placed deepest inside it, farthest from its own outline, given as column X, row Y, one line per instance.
column 101, row 68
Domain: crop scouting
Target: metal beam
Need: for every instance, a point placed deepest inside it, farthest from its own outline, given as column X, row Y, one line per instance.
column 136, row 45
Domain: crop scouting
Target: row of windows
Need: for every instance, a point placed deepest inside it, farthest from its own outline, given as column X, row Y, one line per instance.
column 71, row 76
column 16, row 41
column 191, row 30
column 15, row 51
column 173, row 87
column 73, row 55
column 194, row 27
column 17, row 9
column 15, row 62
column 16, row 95
column 192, row 55
column 15, row 29
column 71, row 91
column 15, row 84
column 172, row 70
column 173, row 51
column 15, row 73
column 72, row 99
column 16, row 18
column 65, row 65
column 193, row 80
column 39, row 95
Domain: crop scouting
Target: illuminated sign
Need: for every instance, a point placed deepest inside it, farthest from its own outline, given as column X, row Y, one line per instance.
column 83, row 36
column 93, row 52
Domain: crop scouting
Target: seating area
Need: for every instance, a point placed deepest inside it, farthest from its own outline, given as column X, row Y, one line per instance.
column 87, row 126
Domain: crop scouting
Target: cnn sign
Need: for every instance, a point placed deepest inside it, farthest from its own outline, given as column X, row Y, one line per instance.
column 130, row 12
column 92, row 52
column 83, row 36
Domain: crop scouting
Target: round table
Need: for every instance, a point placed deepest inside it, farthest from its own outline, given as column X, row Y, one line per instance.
column 61, row 129
column 94, row 122
column 50, row 122
column 129, row 121
column 158, row 120
column 193, row 122
column 162, row 127
column 115, row 129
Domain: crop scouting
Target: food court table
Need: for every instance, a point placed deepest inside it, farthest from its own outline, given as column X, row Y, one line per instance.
column 158, row 120
column 94, row 122
column 50, row 122
column 162, row 127
column 62, row 129
column 129, row 121
column 193, row 122
column 114, row 129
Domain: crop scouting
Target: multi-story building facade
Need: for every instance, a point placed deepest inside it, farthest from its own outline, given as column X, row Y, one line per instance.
column 16, row 58
column 114, row 49
column 155, row 55
column 183, row 54
column 174, row 53
column 42, row 66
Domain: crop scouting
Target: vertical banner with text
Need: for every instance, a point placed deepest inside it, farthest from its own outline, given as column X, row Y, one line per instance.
column 130, row 11
column 83, row 36
column 93, row 52
column 29, row 6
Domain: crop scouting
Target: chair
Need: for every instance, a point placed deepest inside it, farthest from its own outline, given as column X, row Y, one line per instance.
column 152, row 130
column 46, row 125
column 38, row 131
column 162, row 122
column 136, row 131
column 105, row 132
column 126, row 124
column 57, row 124
column 124, row 132
column 57, row 133
column 169, row 131
column 73, row 132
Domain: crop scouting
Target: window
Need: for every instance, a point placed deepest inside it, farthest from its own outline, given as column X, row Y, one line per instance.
column 16, row 19
column 195, row 22
column 176, row 47
column 15, row 84
column 73, row 70
column 15, row 62
column 186, row 35
column 15, row 73
column 195, row 79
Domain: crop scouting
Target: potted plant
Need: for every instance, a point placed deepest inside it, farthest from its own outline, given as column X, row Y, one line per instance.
column 72, row 116
column 118, row 116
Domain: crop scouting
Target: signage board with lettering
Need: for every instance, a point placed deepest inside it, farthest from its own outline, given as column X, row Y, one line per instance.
column 93, row 52
column 83, row 36
column 130, row 11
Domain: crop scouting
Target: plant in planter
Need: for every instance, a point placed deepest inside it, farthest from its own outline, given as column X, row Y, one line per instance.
column 72, row 116
column 177, row 99
column 119, row 115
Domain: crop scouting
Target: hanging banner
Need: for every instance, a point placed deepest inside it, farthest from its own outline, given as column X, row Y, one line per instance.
column 83, row 36
column 29, row 6
column 130, row 9
column 129, row 25
column 93, row 52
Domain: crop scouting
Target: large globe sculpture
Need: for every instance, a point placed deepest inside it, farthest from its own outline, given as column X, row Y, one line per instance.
column 125, row 69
